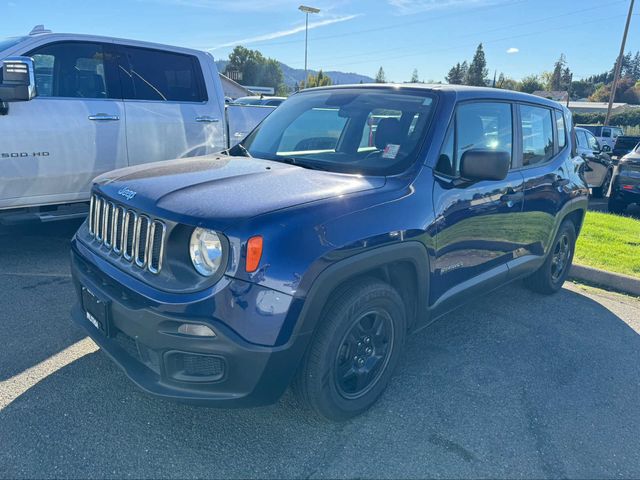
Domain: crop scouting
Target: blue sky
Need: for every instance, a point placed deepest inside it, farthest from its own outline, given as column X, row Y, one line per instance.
column 520, row 36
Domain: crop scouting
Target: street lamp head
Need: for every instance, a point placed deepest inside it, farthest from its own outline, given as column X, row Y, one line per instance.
column 306, row 9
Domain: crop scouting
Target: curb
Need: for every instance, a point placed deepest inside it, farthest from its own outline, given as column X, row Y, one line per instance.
column 614, row 281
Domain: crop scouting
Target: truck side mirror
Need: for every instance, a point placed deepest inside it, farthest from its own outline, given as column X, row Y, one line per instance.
column 606, row 148
column 17, row 80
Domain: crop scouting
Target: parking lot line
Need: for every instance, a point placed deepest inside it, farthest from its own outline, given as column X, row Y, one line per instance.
column 18, row 384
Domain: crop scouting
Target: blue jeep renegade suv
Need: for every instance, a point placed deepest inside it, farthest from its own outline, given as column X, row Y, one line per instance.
column 304, row 256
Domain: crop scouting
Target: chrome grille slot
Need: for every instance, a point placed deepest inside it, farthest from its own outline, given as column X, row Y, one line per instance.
column 118, row 228
column 131, row 221
column 109, row 208
column 136, row 237
column 98, row 219
column 142, row 240
column 90, row 221
column 156, row 246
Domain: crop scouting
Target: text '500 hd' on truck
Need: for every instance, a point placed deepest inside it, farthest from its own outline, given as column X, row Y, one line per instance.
column 75, row 106
column 349, row 218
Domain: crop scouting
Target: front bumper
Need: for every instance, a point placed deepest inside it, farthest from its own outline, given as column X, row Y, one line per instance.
column 142, row 339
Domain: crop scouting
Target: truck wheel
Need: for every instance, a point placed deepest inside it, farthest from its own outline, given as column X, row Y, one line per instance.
column 616, row 206
column 354, row 352
column 553, row 272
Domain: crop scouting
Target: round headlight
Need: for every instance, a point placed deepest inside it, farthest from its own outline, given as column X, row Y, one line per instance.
column 206, row 251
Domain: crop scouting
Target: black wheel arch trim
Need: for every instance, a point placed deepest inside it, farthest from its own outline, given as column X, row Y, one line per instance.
column 336, row 274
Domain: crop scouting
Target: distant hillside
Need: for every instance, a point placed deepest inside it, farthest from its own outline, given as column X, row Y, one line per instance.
column 293, row 76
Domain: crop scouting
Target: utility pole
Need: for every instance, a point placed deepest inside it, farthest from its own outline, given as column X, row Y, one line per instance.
column 616, row 74
column 306, row 10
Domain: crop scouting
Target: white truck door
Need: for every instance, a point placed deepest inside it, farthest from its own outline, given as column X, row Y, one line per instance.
column 53, row 146
column 170, row 113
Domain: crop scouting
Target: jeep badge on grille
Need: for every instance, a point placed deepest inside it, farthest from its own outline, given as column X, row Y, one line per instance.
column 127, row 193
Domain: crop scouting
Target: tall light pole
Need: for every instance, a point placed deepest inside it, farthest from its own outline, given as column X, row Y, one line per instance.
column 616, row 74
column 306, row 10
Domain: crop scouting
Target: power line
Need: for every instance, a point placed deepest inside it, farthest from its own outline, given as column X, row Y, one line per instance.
column 421, row 52
column 396, row 49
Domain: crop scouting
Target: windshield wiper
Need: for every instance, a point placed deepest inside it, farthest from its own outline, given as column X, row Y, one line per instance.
column 296, row 162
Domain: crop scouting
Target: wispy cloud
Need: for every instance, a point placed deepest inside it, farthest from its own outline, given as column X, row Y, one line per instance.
column 513, row 50
column 407, row 7
column 285, row 33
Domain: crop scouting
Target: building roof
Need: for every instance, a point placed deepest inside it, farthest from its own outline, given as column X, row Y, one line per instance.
column 580, row 105
column 557, row 95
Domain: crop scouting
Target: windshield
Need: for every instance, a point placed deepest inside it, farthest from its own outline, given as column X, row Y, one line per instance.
column 595, row 129
column 9, row 42
column 368, row 131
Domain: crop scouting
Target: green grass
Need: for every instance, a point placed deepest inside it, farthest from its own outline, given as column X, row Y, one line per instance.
column 610, row 242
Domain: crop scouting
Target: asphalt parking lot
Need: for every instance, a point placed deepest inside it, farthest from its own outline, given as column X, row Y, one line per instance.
column 513, row 385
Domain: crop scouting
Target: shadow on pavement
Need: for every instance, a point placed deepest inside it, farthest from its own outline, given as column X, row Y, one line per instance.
column 512, row 385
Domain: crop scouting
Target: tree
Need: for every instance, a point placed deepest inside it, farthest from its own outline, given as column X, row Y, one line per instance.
column 507, row 83
column 380, row 76
column 626, row 91
column 530, row 84
column 414, row 76
column 254, row 68
column 581, row 89
column 477, row 71
column 457, row 74
column 555, row 82
column 319, row 80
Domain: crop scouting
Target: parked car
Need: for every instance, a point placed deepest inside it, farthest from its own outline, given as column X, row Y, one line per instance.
column 77, row 106
column 599, row 167
column 259, row 100
column 625, row 188
column 308, row 254
column 624, row 144
column 606, row 135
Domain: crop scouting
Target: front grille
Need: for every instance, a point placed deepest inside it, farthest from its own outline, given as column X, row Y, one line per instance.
column 135, row 237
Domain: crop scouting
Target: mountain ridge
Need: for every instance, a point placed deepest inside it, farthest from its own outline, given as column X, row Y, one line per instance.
column 293, row 76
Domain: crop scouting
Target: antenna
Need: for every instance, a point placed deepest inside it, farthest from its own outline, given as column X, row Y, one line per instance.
column 38, row 29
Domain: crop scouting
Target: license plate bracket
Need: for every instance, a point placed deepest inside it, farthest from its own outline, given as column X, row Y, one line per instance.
column 96, row 311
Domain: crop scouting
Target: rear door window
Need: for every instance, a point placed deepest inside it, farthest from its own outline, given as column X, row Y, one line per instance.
column 477, row 125
column 537, row 134
column 161, row 76
column 74, row 70
column 581, row 135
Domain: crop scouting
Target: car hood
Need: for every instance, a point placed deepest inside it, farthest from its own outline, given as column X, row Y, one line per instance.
column 220, row 190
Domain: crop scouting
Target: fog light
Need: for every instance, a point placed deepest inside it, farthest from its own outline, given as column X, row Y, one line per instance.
column 196, row 330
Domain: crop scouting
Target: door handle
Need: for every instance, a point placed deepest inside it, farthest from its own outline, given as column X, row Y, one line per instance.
column 207, row 119
column 560, row 182
column 102, row 117
column 512, row 198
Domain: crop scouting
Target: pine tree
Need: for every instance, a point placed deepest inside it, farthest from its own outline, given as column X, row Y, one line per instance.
column 414, row 76
column 456, row 74
column 380, row 77
column 556, row 75
column 477, row 72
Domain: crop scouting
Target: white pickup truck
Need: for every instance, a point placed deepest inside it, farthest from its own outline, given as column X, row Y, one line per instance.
column 75, row 106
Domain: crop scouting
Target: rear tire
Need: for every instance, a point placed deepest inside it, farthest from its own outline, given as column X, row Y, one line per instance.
column 550, row 277
column 354, row 352
column 616, row 206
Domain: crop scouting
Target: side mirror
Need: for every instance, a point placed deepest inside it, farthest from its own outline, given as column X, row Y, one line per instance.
column 606, row 148
column 17, row 80
column 479, row 164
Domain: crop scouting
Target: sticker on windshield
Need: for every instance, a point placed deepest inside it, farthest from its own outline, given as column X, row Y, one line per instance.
column 390, row 151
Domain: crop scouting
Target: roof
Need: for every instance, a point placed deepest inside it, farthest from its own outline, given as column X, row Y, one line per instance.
column 595, row 105
column 557, row 95
column 462, row 92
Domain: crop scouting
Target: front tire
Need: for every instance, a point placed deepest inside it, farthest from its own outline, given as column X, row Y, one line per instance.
column 550, row 277
column 354, row 352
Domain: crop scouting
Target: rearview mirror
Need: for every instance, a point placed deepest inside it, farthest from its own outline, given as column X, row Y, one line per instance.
column 17, row 80
column 479, row 164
